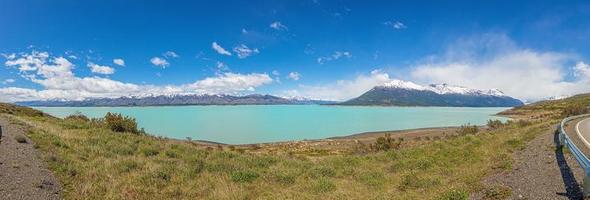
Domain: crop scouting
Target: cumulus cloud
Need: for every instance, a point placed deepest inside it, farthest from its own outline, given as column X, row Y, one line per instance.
column 160, row 62
column 55, row 76
column 119, row 61
column 230, row 83
column 243, row 51
column 335, row 56
column 582, row 70
column 342, row 89
column 495, row 61
column 278, row 26
column 294, row 76
column 99, row 69
column 220, row 49
column 395, row 24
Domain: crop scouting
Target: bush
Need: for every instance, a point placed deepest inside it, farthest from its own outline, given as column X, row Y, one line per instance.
column 244, row 176
column 576, row 109
column 386, row 143
column 149, row 151
column 116, row 122
column 467, row 130
column 77, row 117
column 494, row 124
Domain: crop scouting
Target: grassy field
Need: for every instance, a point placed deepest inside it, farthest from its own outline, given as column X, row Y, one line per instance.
column 94, row 162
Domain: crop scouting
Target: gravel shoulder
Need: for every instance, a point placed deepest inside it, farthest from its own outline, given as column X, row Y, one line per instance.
column 541, row 171
column 23, row 173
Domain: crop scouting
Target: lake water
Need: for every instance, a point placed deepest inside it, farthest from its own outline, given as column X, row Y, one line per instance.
column 270, row 123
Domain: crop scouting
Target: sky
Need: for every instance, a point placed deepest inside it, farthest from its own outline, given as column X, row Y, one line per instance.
column 320, row 49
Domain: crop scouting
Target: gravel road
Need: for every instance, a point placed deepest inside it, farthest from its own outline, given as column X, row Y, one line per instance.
column 542, row 171
column 23, row 174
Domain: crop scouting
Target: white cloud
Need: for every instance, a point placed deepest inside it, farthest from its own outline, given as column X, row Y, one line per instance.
column 230, row 83
column 220, row 49
column 170, row 54
column 58, row 81
column 278, row 26
column 494, row 61
column 342, row 89
column 98, row 69
column 7, row 81
column 582, row 70
column 119, row 61
column 395, row 24
column 28, row 62
column 160, row 62
column 335, row 56
column 294, row 76
column 276, row 72
column 243, row 51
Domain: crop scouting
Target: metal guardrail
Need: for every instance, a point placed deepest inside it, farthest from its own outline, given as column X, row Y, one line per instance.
column 564, row 140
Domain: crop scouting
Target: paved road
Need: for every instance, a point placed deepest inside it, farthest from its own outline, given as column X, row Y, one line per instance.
column 583, row 131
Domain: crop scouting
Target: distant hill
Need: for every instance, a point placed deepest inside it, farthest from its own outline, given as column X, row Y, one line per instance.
column 403, row 93
column 254, row 99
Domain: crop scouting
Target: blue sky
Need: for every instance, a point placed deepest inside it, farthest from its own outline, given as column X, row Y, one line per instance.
column 317, row 49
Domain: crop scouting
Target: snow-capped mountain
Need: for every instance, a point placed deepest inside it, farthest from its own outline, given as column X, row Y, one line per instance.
column 406, row 93
column 442, row 88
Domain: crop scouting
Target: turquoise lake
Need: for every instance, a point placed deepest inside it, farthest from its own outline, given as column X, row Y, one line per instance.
column 271, row 123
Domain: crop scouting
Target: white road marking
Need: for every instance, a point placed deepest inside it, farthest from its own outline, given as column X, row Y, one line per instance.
column 580, row 133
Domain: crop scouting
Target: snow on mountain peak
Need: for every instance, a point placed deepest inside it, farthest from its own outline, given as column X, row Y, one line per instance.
column 403, row 85
column 442, row 88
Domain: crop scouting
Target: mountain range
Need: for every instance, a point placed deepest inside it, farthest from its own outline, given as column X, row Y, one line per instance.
column 393, row 93
column 163, row 100
column 405, row 93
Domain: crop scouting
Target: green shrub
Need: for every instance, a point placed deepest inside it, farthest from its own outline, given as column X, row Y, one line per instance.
column 148, row 151
column 118, row 123
column 386, row 143
column 171, row 154
column 467, row 130
column 494, row 124
column 77, row 117
column 244, row 176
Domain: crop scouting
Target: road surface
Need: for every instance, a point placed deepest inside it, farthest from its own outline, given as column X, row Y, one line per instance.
column 583, row 131
column 23, row 174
